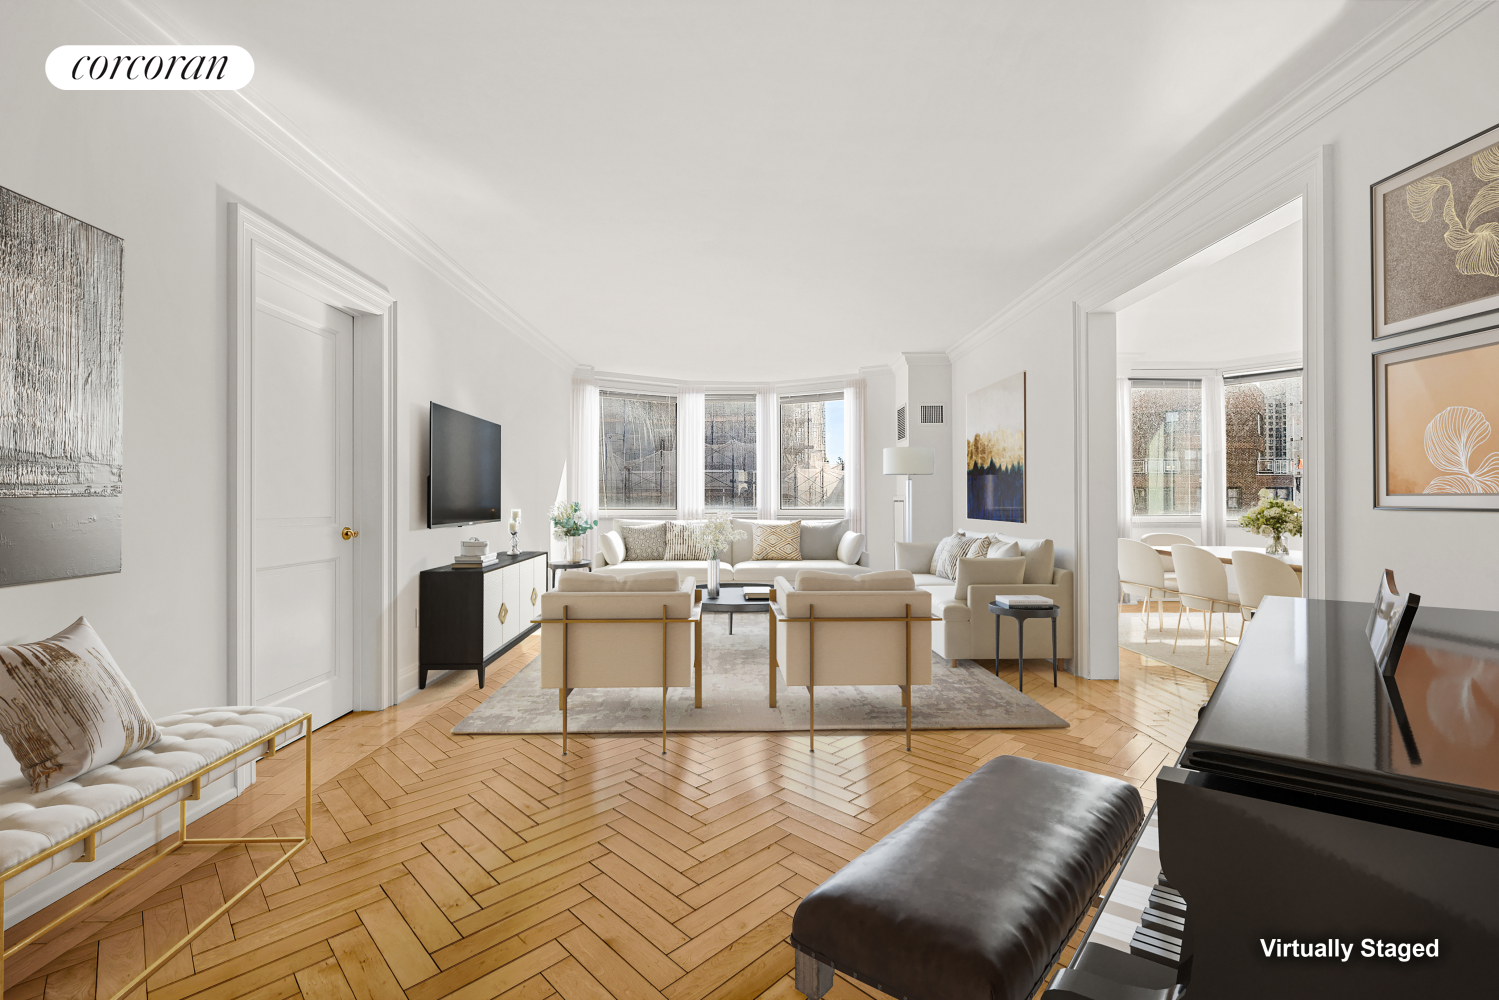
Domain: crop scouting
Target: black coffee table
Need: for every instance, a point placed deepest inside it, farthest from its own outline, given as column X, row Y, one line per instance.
column 730, row 600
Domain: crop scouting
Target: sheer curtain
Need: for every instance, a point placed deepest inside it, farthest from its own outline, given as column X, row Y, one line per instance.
column 767, row 452
column 853, row 450
column 1214, row 462
column 691, row 417
column 583, row 460
column 1124, row 422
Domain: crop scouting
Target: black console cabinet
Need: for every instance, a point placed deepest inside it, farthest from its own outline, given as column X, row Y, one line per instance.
column 471, row 616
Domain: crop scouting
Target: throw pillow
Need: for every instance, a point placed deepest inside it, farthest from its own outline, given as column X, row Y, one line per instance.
column 613, row 547
column 682, row 543
column 1040, row 557
column 778, row 541
column 65, row 707
column 851, row 548
column 1006, row 571
column 646, row 541
column 955, row 547
column 1002, row 550
column 820, row 538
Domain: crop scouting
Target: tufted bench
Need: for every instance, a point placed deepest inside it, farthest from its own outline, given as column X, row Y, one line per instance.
column 974, row 897
column 42, row 832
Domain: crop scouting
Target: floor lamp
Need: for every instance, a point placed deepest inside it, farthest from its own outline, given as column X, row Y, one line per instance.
column 910, row 461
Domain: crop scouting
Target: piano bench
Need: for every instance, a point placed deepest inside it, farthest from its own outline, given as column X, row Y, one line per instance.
column 976, row 895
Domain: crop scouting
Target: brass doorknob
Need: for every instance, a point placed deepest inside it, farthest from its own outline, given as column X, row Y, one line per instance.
column 504, row 613
column 350, row 534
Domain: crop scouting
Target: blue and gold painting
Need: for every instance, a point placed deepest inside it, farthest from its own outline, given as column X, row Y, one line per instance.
column 995, row 422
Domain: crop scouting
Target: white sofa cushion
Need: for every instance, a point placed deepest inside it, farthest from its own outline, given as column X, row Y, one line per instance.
column 890, row 579
column 32, row 822
column 612, row 545
column 683, row 569
column 1002, row 550
column 658, row 581
column 766, row 570
column 851, row 547
column 820, row 538
column 1040, row 557
column 577, row 581
column 986, row 570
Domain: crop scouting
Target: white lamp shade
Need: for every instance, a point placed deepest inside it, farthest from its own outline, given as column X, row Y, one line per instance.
column 910, row 461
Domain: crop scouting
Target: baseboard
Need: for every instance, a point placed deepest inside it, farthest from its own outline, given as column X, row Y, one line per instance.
column 157, row 828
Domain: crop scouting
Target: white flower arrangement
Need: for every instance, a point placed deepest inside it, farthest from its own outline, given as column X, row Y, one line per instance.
column 1273, row 517
column 717, row 532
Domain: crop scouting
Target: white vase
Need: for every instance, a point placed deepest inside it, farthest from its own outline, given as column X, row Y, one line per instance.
column 713, row 577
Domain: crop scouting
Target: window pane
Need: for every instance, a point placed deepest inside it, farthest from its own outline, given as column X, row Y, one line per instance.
column 812, row 452
column 1166, row 429
column 1263, row 448
column 729, row 453
column 637, row 451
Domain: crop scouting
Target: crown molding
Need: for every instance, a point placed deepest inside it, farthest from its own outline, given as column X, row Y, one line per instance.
column 143, row 23
column 1403, row 36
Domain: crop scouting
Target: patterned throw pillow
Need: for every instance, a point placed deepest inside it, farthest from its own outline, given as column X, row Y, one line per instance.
column 955, row 547
column 646, row 541
column 778, row 541
column 681, row 542
column 65, row 708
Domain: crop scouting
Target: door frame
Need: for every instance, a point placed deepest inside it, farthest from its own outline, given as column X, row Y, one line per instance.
column 1202, row 221
column 256, row 240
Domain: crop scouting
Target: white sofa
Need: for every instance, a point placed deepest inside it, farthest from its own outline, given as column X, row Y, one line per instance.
column 820, row 542
column 967, row 627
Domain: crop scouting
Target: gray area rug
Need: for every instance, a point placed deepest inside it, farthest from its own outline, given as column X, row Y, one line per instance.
column 1155, row 642
column 962, row 695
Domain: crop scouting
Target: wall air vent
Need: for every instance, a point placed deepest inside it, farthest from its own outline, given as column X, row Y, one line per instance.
column 900, row 424
column 931, row 414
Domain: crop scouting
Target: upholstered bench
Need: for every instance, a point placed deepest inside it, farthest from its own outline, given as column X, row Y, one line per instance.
column 976, row 895
column 42, row 832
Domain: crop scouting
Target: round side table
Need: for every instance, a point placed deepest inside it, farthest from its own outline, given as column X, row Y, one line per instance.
column 1020, row 615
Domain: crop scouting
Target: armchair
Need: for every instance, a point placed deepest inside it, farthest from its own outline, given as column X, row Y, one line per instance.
column 829, row 629
column 602, row 631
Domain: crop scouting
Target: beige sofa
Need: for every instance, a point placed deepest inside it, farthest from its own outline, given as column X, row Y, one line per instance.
column 891, row 648
column 622, row 640
column 820, row 544
column 967, row 627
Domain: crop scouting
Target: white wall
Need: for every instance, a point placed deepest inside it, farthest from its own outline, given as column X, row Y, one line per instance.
column 880, row 490
column 925, row 378
column 160, row 169
column 1410, row 96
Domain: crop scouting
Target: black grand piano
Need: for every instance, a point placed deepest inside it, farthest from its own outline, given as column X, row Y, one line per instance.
column 1328, row 832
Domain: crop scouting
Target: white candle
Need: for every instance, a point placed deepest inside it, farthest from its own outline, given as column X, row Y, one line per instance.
column 514, row 526
column 515, row 517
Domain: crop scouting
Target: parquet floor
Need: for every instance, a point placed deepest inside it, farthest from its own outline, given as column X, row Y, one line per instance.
column 469, row 868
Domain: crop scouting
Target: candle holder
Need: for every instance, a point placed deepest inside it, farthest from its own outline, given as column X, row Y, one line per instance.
column 515, row 543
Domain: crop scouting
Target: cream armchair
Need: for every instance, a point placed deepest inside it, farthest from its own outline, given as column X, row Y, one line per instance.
column 966, row 629
column 829, row 629
column 602, row 631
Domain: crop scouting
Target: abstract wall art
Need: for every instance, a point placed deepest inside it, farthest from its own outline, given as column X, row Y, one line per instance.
column 1435, row 228
column 995, row 425
column 61, row 394
column 1436, row 407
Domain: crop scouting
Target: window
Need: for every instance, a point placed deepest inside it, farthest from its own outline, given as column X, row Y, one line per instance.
column 729, row 453
column 812, row 451
column 1262, row 424
column 1234, row 498
column 637, row 451
column 1166, row 445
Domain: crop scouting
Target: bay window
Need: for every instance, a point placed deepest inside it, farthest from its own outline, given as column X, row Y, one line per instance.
column 811, row 451
column 637, row 451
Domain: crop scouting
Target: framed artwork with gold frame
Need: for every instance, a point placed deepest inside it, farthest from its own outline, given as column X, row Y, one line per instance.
column 1435, row 405
column 1434, row 230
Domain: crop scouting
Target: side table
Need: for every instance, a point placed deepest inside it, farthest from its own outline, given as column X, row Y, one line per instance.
column 1021, row 615
column 554, row 567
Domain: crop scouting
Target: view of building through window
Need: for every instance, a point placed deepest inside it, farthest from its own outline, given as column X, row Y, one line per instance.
column 1166, row 445
column 637, row 451
column 1263, row 424
column 812, row 451
column 729, row 453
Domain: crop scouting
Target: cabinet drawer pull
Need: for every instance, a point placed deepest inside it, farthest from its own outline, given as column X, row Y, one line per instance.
column 504, row 613
column 533, row 596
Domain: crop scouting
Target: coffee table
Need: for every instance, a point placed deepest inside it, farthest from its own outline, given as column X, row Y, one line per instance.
column 730, row 600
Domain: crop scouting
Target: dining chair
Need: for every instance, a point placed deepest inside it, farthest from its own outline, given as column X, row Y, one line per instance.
column 1140, row 566
column 1162, row 539
column 1259, row 576
column 1202, row 585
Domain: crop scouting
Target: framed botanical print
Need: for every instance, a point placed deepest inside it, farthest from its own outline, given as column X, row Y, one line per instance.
column 1435, row 405
column 1435, row 235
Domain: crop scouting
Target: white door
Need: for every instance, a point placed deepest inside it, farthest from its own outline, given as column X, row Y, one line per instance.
column 494, row 598
column 301, row 652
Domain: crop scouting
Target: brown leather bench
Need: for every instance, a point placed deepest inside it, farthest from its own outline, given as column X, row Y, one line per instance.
column 976, row 895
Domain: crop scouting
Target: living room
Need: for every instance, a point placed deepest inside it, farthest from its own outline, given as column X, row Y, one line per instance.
column 758, row 263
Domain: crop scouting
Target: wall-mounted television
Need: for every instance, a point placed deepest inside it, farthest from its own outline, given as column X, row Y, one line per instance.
column 463, row 468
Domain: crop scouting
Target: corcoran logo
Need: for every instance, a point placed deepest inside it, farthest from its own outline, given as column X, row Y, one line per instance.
column 149, row 67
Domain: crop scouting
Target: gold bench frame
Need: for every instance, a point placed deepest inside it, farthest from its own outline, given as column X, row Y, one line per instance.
column 90, row 839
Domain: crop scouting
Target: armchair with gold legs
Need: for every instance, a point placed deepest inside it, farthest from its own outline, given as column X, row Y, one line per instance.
column 829, row 629
column 601, row 631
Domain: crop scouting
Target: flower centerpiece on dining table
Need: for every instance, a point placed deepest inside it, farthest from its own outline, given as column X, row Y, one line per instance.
column 567, row 525
column 714, row 535
column 1274, row 518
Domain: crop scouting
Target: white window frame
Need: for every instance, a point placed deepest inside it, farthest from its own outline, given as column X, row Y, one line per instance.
column 805, row 513
column 634, row 513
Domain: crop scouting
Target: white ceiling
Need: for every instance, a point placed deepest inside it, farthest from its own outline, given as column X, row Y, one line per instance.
column 826, row 183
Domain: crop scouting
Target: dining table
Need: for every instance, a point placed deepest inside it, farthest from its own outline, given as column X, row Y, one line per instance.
column 1225, row 553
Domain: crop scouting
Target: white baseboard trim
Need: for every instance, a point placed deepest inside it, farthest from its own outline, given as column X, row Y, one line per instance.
column 164, row 824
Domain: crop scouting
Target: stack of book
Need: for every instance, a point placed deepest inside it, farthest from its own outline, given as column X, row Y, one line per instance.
column 476, row 562
column 757, row 593
column 1029, row 602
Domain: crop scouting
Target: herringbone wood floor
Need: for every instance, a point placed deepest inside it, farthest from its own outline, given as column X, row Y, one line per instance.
column 477, row 867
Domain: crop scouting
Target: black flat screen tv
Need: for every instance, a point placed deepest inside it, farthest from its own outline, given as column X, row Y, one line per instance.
column 463, row 468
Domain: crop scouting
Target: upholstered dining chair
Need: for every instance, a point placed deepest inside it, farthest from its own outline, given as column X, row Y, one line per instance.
column 1162, row 539
column 1202, row 583
column 1140, row 566
column 1259, row 576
